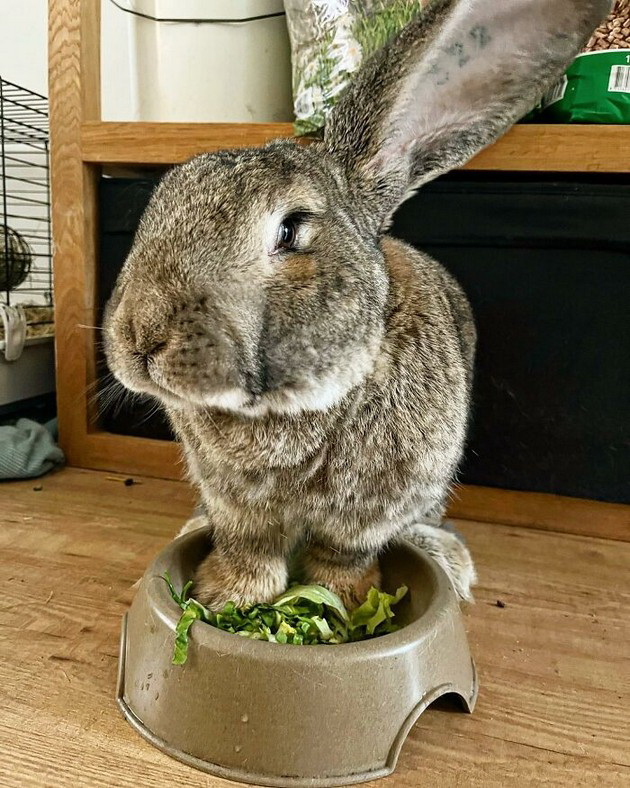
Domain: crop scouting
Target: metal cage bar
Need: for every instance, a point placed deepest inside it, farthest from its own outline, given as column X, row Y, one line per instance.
column 25, row 224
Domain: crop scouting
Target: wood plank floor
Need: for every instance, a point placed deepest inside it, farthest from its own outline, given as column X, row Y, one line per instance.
column 554, row 663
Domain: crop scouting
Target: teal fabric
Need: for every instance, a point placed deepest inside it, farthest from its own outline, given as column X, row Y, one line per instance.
column 28, row 449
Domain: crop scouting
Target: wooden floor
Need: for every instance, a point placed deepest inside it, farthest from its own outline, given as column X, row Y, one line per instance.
column 554, row 662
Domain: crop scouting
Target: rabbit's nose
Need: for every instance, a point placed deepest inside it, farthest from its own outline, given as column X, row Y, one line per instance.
column 146, row 343
column 148, row 350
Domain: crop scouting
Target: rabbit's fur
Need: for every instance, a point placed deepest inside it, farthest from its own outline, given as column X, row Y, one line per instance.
column 321, row 393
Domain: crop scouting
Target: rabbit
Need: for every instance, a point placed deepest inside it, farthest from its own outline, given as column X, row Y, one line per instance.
column 317, row 371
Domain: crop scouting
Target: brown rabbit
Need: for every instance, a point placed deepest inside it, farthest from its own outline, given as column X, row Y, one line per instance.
column 318, row 372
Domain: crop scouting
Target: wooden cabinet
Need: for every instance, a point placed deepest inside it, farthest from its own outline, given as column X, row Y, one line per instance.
column 81, row 144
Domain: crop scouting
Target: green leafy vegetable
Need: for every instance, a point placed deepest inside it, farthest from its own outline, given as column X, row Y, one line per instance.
column 302, row 615
column 317, row 595
column 189, row 615
column 376, row 609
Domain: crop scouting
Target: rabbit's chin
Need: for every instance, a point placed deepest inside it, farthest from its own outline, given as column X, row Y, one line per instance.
column 321, row 393
column 289, row 400
column 293, row 400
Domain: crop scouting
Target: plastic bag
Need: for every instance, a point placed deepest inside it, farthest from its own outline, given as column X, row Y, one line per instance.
column 329, row 40
column 596, row 87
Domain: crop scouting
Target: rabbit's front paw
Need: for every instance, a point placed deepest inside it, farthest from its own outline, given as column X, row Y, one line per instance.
column 353, row 590
column 348, row 576
column 246, row 581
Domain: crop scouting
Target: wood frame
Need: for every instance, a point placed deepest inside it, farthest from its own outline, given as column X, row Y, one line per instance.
column 524, row 148
column 81, row 143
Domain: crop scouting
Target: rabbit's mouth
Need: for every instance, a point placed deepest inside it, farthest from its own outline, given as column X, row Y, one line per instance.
column 201, row 365
column 247, row 385
column 289, row 399
column 319, row 393
column 181, row 375
column 144, row 384
column 188, row 398
column 183, row 396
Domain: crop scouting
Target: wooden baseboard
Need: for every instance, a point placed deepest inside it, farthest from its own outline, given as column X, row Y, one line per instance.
column 162, row 459
column 125, row 454
column 543, row 511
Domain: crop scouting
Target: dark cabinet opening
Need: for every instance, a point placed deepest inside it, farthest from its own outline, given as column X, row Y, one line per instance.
column 545, row 262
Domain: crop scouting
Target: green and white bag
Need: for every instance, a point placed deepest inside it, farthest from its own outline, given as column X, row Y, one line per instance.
column 596, row 87
column 329, row 40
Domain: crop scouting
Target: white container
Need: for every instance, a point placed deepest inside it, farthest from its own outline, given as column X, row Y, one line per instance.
column 190, row 67
column 32, row 375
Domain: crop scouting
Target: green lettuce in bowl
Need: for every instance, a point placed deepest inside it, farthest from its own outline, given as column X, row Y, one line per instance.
column 302, row 615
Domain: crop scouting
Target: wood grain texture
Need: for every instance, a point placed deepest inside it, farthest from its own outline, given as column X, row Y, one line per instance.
column 540, row 510
column 554, row 684
column 169, row 143
column 552, row 148
column 90, row 53
column 74, row 94
column 126, row 454
column 558, row 148
column 163, row 459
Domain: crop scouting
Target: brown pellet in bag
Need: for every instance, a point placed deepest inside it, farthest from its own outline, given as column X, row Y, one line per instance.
column 614, row 33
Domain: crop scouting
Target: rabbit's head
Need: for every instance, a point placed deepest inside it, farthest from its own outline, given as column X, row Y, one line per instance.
column 256, row 280
column 250, row 285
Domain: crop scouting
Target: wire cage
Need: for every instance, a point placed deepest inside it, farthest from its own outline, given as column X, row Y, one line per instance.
column 25, row 230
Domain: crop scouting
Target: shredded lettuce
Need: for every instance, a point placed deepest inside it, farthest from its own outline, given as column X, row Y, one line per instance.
column 302, row 615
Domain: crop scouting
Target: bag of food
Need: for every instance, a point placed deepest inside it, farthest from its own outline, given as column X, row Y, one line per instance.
column 329, row 39
column 596, row 87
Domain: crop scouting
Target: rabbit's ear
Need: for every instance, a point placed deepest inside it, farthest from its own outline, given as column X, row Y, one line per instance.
column 449, row 84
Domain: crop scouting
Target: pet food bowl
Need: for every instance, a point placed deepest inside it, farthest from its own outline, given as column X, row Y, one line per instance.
column 284, row 715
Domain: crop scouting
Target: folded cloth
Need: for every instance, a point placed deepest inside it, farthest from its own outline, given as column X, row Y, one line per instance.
column 28, row 449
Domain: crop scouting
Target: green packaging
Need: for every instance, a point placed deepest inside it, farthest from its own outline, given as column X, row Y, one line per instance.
column 595, row 89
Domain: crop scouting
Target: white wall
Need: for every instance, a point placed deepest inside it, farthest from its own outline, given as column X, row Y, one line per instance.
column 24, row 61
column 24, row 56
column 118, row 81
column 24, row 43
column 24, row 52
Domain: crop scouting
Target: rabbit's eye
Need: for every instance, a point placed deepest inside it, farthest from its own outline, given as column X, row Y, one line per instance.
column 287, row 233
